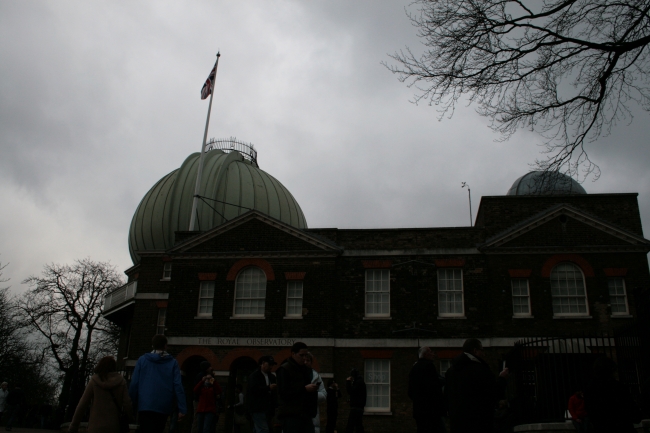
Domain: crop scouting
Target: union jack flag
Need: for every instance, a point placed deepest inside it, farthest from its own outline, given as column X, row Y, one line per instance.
column 206, row 90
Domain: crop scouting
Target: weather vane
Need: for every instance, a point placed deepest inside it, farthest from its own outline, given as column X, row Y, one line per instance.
column 463, row 185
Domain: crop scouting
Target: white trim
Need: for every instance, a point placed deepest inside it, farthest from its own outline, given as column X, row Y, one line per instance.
column 627, row 304
column 371, row 343
column 378, row 413
column 530, row 310
column 379, row 409
column 250, row 316
column 152, row 296
column 104, row 313
column 234, row 295
column 575, row 316
column 302, row 299
column 198, row 305
column 377, row 318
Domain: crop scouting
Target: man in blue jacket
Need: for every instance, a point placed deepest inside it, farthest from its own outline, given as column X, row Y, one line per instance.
column 156, row 388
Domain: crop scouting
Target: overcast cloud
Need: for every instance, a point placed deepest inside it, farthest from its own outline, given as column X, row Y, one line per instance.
column 99, row 100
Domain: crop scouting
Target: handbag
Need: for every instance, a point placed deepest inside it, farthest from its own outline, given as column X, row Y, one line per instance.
column 124, row 418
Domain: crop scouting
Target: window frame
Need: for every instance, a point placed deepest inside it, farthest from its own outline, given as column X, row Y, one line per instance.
column 211, row 298
column 302, row 298
column 462, row 293
column 365, row 298
column 445, row 360
column 160, row 328
column 167, row 271
column 530, row 311
column 584, row 285
column 627, row 304
column 235, row 299
column 369, row 384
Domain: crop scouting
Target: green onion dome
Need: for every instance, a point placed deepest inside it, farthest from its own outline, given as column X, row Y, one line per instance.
column 231, row 183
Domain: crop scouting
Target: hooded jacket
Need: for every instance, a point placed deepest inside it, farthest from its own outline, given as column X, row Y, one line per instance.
column 472, row 391
column 156, row 384
column 104, row 414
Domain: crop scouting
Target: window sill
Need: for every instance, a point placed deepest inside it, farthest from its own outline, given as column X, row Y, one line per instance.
column 377, row 318
column 523, row 317
column 571, row 317
column 622, row 316
column 165, row 279
column 247, row 317
column 382, row 413
column 203, row 317
column 292, row 317
column 451, row 317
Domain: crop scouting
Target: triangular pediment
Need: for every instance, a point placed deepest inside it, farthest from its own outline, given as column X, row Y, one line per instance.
column 566, row 227
column 255, row 233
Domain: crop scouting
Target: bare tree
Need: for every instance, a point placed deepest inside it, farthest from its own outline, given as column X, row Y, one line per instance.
column 64, row 306
column 20, row 360
column 568, row 69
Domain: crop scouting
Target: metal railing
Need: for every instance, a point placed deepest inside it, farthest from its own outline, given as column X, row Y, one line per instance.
column 120, row 295
column 549, row 370
column 247, row 150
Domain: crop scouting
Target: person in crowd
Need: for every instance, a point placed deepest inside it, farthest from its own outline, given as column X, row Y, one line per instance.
column 107, row 395
column 472, row 391
column 356, row 388
column 45, row 410
column 321, row 393
column 333, row 395
column 4, row 392
column 577, row 411
column 261, row 394
column 156, row 388
column 425, row 390
column 14, row 405
column 297, row 395
column 238, row 408
column 608, row 403
column 204, row 368
column 207, row 412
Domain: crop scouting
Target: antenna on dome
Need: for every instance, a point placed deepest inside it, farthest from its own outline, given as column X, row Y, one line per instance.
column 463, row 185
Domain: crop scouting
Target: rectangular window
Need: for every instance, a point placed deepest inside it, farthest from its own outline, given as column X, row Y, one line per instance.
column 378, row 385
column 206, row 298
column 444, row 366
column 294, row 299
column 617, row 296
column 520, row 297
column 378, row 293
column 167, row 271
column 162, row 315
column 450, row 292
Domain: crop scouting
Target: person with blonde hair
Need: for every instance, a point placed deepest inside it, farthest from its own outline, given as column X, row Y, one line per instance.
column 107, row 395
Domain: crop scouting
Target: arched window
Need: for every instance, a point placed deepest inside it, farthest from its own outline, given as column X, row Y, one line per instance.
column 568, row 290
column 250, row 293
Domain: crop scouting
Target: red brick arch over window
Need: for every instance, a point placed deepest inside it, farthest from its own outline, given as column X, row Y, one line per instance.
column 260, row 263
column 573, row 258
column 202, row 351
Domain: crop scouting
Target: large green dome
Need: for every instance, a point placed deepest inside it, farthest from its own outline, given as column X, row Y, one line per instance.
column 230, row 178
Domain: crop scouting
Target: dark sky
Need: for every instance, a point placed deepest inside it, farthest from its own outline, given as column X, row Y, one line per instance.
column 99, row 100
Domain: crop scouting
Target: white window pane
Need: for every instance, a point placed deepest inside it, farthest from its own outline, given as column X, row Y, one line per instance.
column 568, row 290
column 250, row 292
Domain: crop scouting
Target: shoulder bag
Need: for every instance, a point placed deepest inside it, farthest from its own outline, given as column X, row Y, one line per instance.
column 124, row 418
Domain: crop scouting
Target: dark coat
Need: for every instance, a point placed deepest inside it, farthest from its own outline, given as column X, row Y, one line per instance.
column 425, row 390
column 472, row 392
column 259, row 397
column 294, row 400
column 610, row 407
column 357, row 391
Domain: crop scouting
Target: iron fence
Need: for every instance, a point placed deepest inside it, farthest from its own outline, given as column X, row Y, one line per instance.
column 548, row 370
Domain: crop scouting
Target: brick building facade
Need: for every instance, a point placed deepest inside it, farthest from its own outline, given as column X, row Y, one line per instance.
column 532, row 265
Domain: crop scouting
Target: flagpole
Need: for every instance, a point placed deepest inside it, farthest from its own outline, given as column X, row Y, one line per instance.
column 195, row 201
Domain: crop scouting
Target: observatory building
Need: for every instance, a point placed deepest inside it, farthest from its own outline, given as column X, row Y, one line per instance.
column 253, row 279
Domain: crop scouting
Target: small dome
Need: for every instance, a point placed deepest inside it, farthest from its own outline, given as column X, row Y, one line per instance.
column 545, row 183
column 232, row 183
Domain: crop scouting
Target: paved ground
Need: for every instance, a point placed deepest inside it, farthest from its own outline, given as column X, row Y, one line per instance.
column 28, row 430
